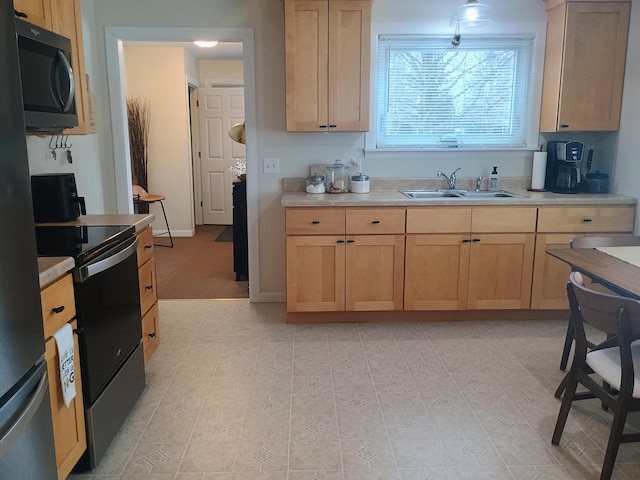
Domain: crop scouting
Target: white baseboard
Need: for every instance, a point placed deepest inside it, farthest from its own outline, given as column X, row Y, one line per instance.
column 174, row 233
column 277, row 297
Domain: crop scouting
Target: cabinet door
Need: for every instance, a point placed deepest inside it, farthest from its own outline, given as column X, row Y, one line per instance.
column 306, row 54
column 150, row 332
column 349, row 65
column 436, row 272
column 315, row 273
column 66, row 20
column 147, row 284
column 37, row 12
column 500, row 268
column 584, row 66
column 550, row 275
column 68, row 422
column 374, row 272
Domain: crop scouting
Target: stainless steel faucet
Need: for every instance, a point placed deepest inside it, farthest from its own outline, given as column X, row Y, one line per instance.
column 478, row 180
column 451, row 179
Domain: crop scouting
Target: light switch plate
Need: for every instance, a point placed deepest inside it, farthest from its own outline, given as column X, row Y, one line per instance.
column 271, row 165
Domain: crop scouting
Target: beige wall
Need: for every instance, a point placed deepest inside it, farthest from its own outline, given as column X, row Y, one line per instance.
column 157, row 74
column 221, row 73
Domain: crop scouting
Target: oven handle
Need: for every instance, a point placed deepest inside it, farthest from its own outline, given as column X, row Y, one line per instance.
column 111, row 258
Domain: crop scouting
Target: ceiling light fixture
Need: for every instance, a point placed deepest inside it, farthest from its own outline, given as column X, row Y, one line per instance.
column 471, row 14
column 206, row 44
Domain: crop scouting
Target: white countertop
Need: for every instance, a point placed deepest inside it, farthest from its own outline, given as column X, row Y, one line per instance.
column 385, row 192
column 396, row 199
column 53, row 268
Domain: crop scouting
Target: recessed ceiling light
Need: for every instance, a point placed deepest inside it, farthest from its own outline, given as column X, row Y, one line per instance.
column 205, row 44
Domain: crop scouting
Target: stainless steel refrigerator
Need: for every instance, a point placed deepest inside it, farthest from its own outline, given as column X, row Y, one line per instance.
column 26, row 437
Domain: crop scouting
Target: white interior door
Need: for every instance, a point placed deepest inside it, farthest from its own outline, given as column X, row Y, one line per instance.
column 220, row 108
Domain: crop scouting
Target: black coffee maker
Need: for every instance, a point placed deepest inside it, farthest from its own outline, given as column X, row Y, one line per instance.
column 564, row 160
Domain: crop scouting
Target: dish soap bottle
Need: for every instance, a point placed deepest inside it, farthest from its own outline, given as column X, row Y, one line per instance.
column 494, row 180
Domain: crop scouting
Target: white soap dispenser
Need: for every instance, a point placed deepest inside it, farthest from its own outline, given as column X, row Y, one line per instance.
column 494, row 180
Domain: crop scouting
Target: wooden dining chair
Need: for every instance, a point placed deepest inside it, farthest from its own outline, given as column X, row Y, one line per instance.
column 142, row 196
column 615, row 363
column 592, row 242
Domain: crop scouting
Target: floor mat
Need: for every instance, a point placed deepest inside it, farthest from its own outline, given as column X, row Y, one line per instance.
column 226, row 235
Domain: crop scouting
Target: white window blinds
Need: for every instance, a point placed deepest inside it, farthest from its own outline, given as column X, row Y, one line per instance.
column 431, row 94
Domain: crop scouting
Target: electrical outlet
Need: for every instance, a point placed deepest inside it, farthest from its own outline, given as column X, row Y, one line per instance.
column 355, row 161
column 271, row 165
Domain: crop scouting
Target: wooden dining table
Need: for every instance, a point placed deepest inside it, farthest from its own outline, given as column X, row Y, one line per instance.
column 618, row 275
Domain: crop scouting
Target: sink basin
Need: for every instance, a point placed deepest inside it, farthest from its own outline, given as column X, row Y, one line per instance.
column 498, row 194
column 427, row 194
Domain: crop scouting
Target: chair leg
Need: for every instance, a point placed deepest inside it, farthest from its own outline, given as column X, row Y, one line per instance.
column 568, row 341
column 563, row 414
column 168, row 229
column 561, row 387
column 617, row 427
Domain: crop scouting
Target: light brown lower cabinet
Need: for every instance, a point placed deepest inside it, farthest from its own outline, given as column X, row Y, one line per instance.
column 557, row 225
column 353, row 261
column 70, row 441
column 68, row 422
column 468, row 272
column 148, row 292
column 337, row 273
column 443, row 258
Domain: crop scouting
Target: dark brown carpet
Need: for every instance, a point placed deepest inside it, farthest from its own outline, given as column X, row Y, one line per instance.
column 198, row 267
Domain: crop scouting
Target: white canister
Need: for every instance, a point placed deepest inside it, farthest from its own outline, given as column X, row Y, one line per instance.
column 360, row 184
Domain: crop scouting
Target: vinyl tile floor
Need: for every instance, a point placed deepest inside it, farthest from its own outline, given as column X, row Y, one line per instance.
column 235, row 393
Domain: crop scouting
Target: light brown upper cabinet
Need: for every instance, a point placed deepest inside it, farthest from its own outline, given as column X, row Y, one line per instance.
column 584, row 65
column 37, row 12
column 66, row 20
column 327, row 52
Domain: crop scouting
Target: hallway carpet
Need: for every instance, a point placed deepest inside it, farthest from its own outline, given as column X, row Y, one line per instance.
column 198, row 267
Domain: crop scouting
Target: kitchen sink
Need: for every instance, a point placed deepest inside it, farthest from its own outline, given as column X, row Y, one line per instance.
column 425, row 194
column 435, row 194
column 485, row 194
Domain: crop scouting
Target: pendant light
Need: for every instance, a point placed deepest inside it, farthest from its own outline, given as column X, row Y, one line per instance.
column 471, row 14
column 238, row 133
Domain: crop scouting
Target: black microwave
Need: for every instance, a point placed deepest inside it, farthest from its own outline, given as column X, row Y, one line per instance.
column 48, row 87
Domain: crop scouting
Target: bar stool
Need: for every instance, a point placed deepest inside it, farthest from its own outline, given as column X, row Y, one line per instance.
column 142, row 196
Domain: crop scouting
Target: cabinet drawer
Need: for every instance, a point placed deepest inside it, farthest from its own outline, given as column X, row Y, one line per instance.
column 145, row 245
column 58, row 305
column 378, row 220
column 614, row 218
column 503, row 219
column 147, row 279
column 439, row 220
column 150, row 332
column 319, row 221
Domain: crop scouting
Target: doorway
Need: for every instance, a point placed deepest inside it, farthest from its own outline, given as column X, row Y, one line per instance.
column 115, row 36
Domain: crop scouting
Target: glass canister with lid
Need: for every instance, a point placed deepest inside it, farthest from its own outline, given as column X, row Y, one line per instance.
column 315, row 183
column 338, row 178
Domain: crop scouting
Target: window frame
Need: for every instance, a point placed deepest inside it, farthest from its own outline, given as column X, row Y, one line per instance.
column 533, row 107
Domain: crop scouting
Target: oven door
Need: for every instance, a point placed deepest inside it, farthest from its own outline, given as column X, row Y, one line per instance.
column 109, row 318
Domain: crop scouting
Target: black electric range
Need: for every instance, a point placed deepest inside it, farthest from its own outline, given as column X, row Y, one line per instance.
column 83, row 242
column 107, row 297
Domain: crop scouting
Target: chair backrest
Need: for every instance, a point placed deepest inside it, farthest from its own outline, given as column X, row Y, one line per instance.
column 138, row 191
column 605, row 241
column 606, row 312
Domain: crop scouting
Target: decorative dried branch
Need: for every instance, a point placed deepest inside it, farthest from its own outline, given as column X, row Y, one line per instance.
column 139, row 117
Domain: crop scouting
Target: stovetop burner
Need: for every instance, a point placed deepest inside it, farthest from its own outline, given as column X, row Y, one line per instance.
column 83, row 243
